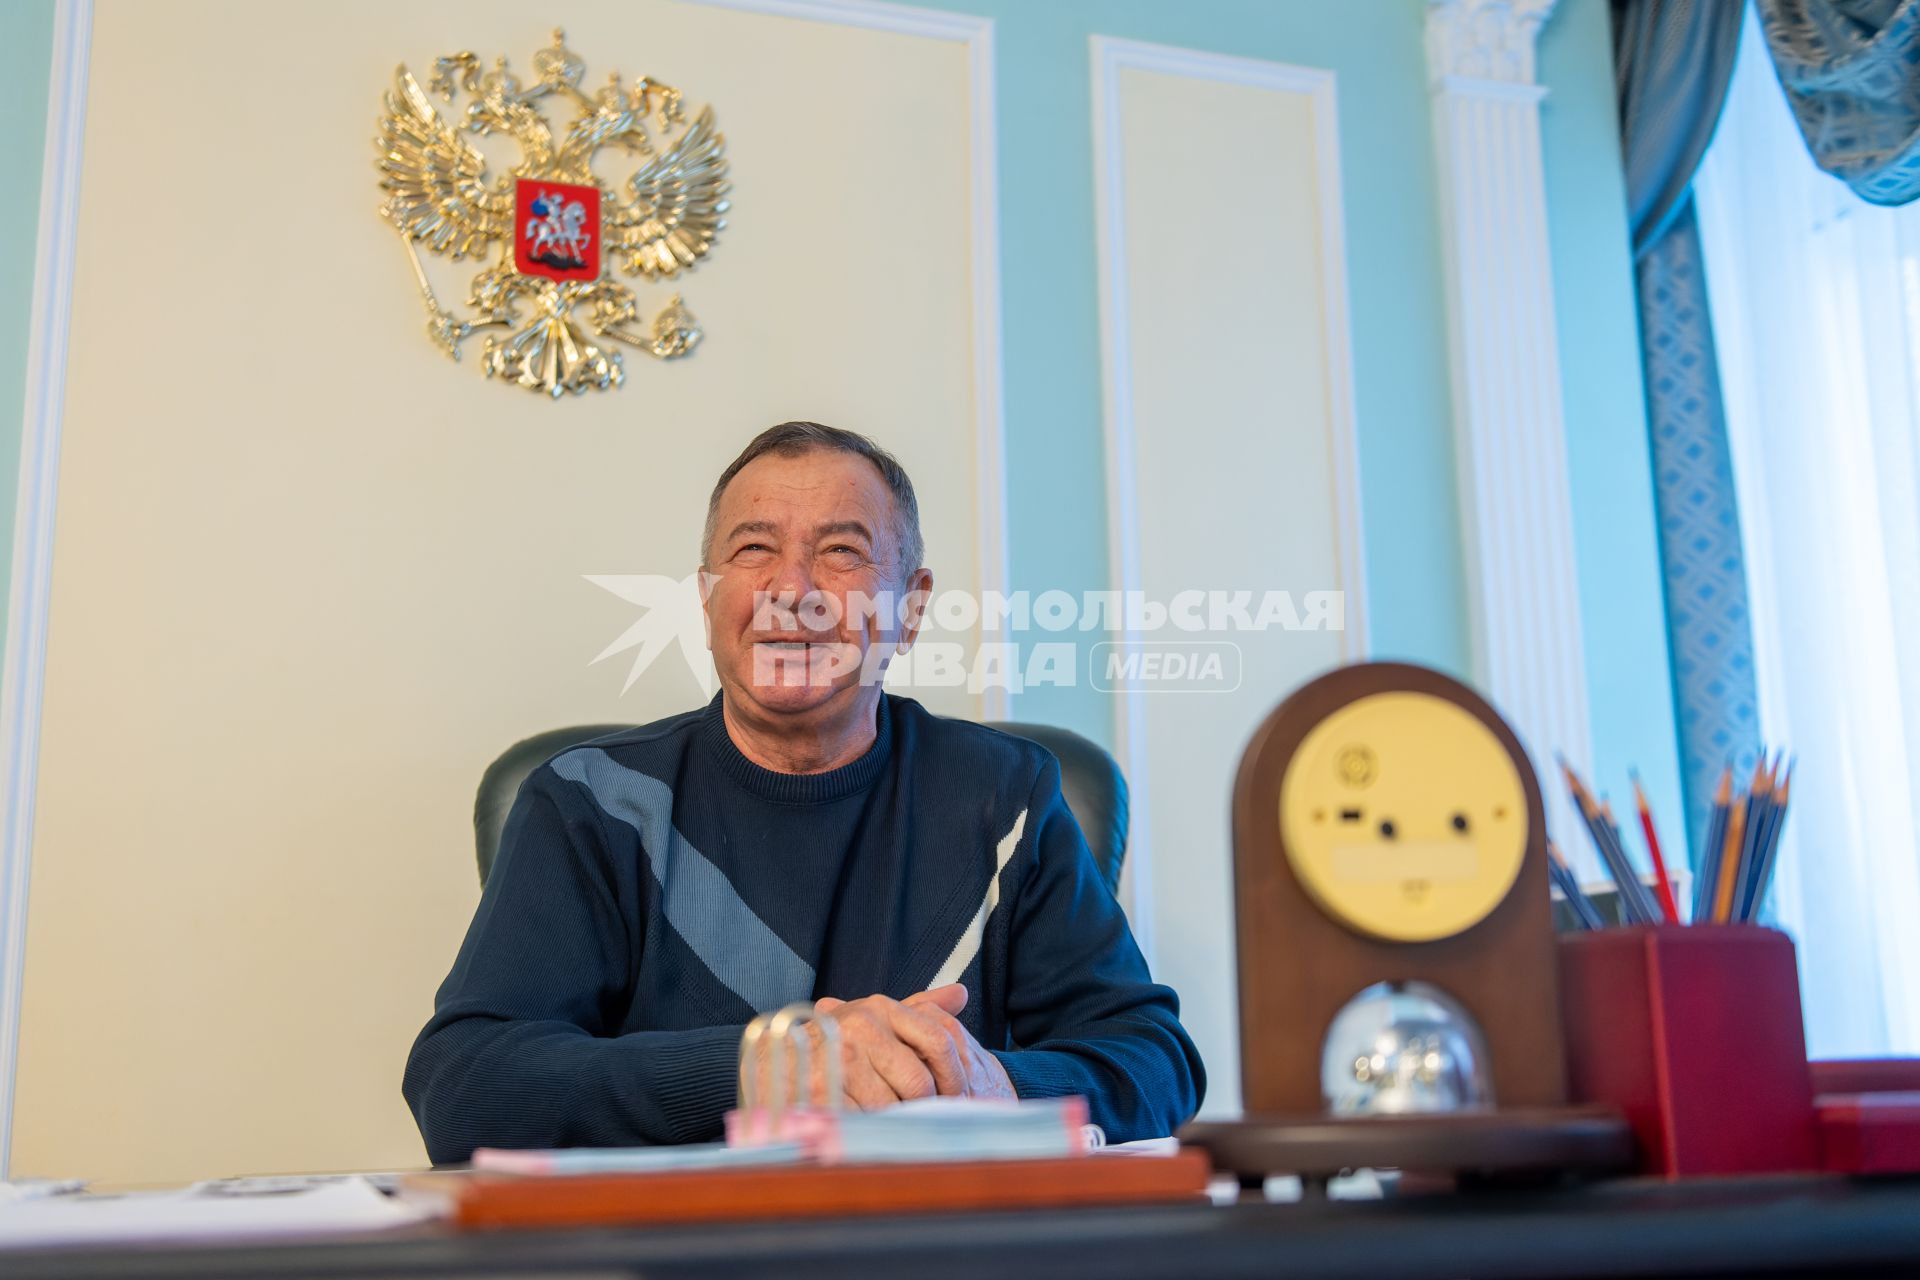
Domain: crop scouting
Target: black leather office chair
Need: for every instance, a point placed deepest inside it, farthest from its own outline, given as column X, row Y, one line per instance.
column 1094, row 787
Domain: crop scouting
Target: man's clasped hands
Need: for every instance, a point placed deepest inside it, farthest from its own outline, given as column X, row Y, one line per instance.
column 895, row 1050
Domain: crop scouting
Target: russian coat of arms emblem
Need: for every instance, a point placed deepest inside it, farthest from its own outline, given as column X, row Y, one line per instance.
column 551, row 232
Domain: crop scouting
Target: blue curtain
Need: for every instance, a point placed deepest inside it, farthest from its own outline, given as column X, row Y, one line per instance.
column 1851, row 69
column 1709, row 631
column 1673, row 61
column 1672, row 65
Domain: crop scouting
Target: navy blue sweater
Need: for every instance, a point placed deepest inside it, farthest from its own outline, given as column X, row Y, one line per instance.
column 655, row 889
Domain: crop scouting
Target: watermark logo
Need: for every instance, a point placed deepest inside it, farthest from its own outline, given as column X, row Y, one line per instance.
column 1155, row 666
column 671, row 615
column 1173, row 645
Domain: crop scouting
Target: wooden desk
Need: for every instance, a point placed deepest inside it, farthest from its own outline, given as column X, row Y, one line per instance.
column 1802, row 1225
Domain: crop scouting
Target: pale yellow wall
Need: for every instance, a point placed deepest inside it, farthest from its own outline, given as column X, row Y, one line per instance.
column 1235, row 386
column 310, row 577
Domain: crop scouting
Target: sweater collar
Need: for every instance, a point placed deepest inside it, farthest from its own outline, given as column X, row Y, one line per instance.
column 800, row 788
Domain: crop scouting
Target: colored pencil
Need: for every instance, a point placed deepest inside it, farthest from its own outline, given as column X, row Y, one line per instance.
column 1577, row 900
column 1766, row 805
column 1632, row 910
column 1583, row 802
column 1770, row 847
column 1770, row 856
column 1737, row 857
column 1729, row 861
column 1642, row 896
column 1736, row 845
column 1707, row 878
column 1759, row 817
column 1559, row 882
column 1662, row 883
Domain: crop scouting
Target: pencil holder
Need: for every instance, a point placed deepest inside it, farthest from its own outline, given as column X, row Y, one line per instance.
column 1695, row 1034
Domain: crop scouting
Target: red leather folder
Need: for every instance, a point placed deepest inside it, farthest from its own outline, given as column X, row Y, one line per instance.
column 724, row 1195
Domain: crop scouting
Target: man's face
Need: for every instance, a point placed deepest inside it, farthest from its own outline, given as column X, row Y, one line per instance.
column 799, row 542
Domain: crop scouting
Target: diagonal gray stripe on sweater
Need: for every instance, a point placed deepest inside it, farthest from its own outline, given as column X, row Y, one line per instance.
column 696, row 897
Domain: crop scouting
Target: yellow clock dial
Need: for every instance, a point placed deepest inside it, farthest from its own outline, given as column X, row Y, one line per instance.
column 1404, row 817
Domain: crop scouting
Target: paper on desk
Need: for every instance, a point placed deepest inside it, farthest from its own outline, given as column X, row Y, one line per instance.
column 1141, row 1147
column 711, row 1155
column 205, row 1212
column 967, row 1129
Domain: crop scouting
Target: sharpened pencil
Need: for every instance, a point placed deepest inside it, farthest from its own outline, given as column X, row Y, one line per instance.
column 1759, row 814
column 1736, row 845
column 1661, row 883
column 1770, row 850
column 1707, row 879
column 1649, row 910
column 1577, row 900
column 1632, row 910
column 1760, row 809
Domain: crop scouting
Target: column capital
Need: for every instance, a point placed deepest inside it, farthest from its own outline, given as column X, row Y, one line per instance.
column 1486, row 40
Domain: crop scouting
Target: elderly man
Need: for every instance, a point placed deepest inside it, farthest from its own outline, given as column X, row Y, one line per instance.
column 805, row 836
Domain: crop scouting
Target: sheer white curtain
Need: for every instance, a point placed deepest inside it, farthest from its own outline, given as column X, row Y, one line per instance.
column 1816, row 313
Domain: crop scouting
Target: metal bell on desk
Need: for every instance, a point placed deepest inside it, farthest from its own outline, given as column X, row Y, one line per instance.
column 1404, row 1048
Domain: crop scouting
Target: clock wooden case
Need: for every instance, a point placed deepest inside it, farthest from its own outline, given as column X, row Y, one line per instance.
column 1387, row 827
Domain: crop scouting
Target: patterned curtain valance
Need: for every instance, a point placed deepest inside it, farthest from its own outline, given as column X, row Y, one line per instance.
column 1851, row 69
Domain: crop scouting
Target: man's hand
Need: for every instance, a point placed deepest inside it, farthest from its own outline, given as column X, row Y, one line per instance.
column 893, row 1050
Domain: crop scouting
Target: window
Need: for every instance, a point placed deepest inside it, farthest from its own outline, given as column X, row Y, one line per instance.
column 1816, row 314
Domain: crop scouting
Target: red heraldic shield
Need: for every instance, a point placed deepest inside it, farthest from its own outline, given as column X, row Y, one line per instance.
column 556, row 229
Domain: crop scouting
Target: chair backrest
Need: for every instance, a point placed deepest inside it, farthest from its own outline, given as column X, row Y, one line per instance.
column 1094, row 788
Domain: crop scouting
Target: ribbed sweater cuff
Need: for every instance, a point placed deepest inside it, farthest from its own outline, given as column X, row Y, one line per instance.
column 1041, row 1073
column 694, row 1084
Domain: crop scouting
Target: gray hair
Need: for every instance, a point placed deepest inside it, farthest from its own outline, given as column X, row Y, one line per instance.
column 792, row 439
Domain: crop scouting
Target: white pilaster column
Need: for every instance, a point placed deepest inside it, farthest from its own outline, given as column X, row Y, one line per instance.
column 1509, row 425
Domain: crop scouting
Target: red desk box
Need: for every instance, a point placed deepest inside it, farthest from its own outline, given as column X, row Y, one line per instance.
column 1869, row 1113
column 1695, row 1034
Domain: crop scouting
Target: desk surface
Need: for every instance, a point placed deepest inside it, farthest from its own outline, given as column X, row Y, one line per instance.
column 1779, row 1226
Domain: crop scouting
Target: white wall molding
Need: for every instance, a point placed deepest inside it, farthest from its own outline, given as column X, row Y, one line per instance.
column 1110, row 57
column 23, row 672
column 874, row 15
column 983, row 165
column 1123, row 533
column 1509, row 418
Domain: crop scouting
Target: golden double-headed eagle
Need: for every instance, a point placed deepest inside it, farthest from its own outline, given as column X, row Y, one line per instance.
column 557, row 228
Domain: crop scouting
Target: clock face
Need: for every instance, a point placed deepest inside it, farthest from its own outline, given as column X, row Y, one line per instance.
column 1404, row 817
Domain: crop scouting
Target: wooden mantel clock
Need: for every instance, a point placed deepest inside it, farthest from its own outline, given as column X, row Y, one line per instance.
column 1399, row 1003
